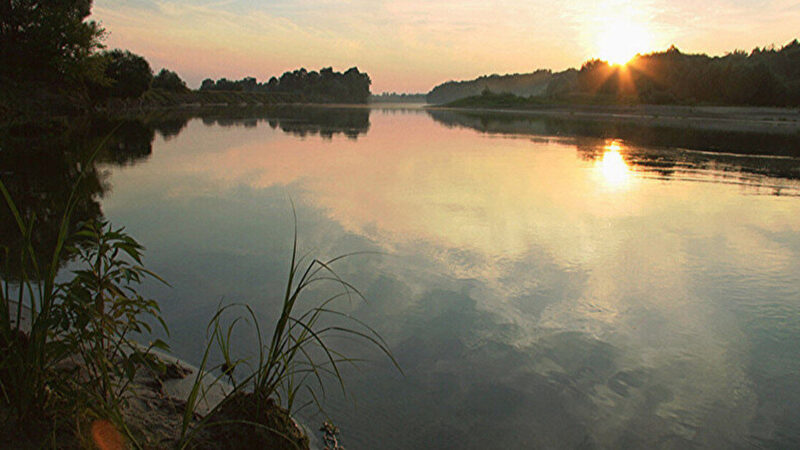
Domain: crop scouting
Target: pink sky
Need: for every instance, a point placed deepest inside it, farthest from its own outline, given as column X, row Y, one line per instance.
column 412, row 45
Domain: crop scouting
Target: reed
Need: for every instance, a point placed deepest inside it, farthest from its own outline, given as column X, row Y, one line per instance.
column 296, row 357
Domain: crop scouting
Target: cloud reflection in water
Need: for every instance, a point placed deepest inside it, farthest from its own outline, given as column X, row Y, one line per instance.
column 525, row 300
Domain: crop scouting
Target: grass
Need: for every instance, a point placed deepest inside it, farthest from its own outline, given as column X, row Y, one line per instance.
column 159, row 98
column 297, row 358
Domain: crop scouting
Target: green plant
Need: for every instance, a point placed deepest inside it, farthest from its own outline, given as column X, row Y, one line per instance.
column 100, row 310
column 73, row 359
column 299, row 357
column 30, row 355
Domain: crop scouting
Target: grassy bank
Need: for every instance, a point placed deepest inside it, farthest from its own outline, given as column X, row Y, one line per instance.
column 159, row 99
column 493, row 100
column 32, row 102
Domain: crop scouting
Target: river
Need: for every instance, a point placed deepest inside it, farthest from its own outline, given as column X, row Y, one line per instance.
column 541, row 283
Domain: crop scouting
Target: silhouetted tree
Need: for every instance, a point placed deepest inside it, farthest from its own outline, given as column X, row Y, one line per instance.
column 169, row 81
column 764, row 77
column 525, row 84
column 207, row 84
column 129, row 75
column 47, row 40
column 325, row 86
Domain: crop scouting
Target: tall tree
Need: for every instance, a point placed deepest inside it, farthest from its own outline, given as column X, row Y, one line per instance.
column 169, row 81
column 130, row 75
column 47, row 39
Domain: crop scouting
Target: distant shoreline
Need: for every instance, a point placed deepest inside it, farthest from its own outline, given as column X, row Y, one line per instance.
column 722, row 118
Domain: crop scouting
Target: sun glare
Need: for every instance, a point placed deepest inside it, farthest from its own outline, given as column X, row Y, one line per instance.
column 615, row 170
column 621, row 40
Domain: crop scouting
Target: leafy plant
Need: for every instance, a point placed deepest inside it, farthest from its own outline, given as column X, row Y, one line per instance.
column 65, row 349
column 100, row 310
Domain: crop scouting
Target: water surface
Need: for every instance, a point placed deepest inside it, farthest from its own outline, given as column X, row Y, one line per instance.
column 542, row 284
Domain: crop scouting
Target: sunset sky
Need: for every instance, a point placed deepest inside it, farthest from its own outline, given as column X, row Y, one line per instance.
column 412, row 45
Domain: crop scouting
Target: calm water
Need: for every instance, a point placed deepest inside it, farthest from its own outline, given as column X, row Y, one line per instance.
column 542, row 284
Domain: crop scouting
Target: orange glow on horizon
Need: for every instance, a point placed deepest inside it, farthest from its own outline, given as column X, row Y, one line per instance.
column 408, row 46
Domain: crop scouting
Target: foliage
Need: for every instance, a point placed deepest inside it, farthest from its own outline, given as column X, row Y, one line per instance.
column 29, row 357
column 46, row 40
column 489, row 99
column 169, row 81
column 129, row 75
column 562, row 83
column 72, row 360
column 765, row 77
column 525, row 84
column 75, row 362
column 325, row 86
column 100, row 309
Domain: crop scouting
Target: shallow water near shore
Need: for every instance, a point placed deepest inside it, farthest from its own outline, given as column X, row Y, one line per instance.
column 541, row 283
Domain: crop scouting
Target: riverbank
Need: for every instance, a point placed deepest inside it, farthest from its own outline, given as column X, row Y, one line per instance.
column 32, row 103
column 719, row 118
column 155, row 404
column 155, row 99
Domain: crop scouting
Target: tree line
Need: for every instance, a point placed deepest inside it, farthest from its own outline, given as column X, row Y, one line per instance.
column 53, row 58
column 325, row 86
column 521, row 84
column 394, row 97
column 764, row 77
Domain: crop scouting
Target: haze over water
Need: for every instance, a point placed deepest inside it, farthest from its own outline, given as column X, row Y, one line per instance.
column 537, row 290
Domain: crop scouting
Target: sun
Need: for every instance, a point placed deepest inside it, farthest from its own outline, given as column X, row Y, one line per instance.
column 620, row 40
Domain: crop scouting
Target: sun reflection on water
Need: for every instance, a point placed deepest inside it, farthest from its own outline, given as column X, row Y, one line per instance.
column 616, row 173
